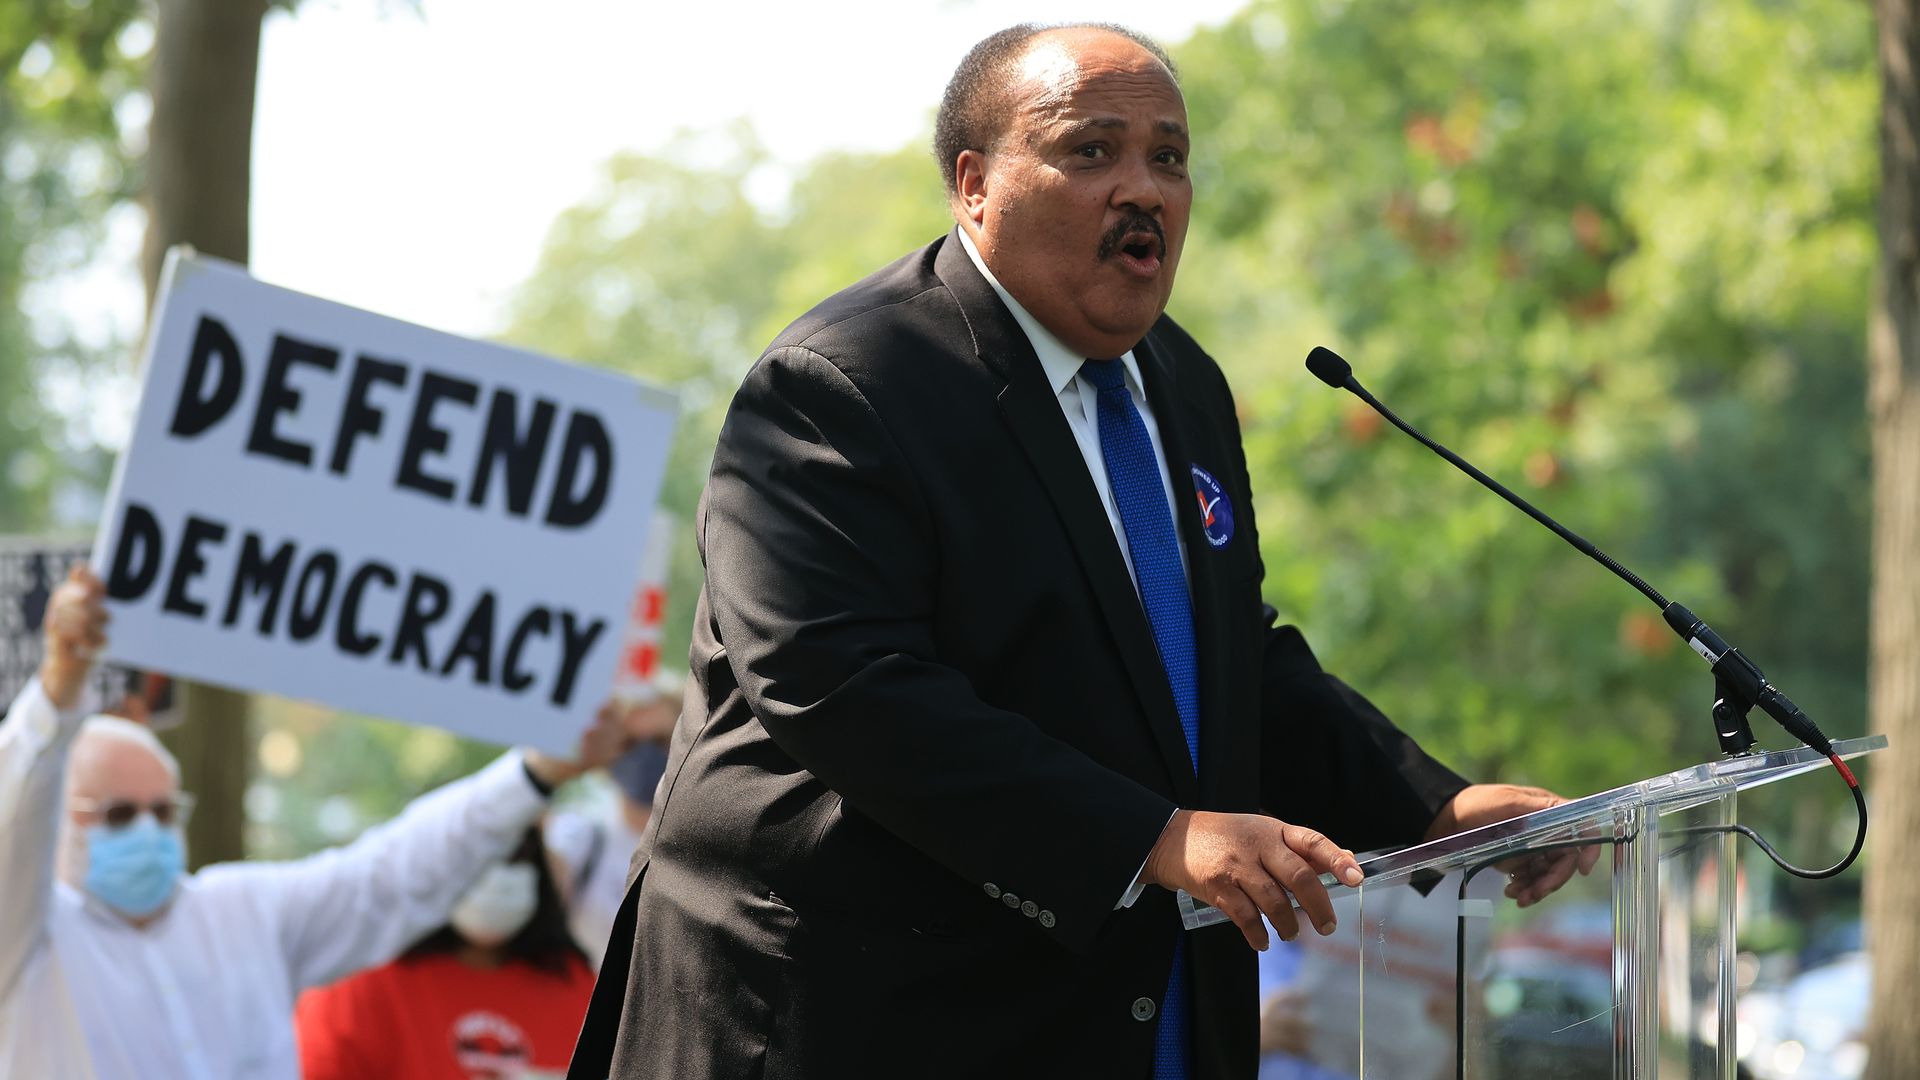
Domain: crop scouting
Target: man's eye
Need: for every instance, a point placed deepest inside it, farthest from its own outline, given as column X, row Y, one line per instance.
column 1171, row 157
column 1093, row 151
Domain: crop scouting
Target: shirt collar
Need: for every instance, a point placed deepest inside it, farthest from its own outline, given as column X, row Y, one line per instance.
column 1059, row 362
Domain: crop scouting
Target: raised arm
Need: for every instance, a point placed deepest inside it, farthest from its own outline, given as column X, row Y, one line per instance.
column 360, row 905
column 34, row 740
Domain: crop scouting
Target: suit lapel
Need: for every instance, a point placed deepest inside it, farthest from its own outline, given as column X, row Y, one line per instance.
column 1185, row 437
column 1033, row 414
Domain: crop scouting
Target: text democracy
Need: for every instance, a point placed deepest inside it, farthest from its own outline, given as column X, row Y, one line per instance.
column 277, row 589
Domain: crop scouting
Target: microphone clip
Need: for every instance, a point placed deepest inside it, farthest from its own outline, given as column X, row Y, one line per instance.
column 1730, row 719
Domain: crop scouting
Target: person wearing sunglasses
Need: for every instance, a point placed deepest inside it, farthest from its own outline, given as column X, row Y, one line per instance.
column 115, row 962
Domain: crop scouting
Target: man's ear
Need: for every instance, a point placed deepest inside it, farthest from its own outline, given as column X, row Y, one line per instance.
column 970, row 185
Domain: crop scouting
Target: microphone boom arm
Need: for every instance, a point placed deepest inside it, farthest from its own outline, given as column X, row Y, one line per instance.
column 1738, row 683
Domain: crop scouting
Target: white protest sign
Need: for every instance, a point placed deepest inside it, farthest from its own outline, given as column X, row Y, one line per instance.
column 329, row 504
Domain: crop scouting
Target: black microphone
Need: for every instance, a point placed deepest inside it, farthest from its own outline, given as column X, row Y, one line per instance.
column 1739, row 685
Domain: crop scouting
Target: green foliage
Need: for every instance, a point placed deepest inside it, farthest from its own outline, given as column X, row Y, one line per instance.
column 63, row 69
column 672, row 274
column 324, row 776
column 1616, row 255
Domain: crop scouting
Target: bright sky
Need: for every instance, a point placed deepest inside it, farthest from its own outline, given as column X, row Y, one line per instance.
column 410, row 161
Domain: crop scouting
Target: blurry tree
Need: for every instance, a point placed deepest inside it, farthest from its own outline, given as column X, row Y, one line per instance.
column 206, row 59
column 326, row 776
column 200, row 144
column 70, row 122
column 1893, row 884
column 664, row 274
column 671, row 273
column 66, row 72
column 1613, row 255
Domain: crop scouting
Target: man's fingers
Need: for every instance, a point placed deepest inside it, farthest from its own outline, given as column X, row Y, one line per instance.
column 1538, row 877
column 1589, row 857
column 1299, row 878
column 82, row 575
column 1322, row 854
column 1277, row 906
column 1244, row 915
column 1557, row 873
column 69, row 620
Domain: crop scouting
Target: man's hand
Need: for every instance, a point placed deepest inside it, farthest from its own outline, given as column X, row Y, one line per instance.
column 1531, row 877
column 604, row 740
column 75, row 630
column 1246, row 864
column 653, row 720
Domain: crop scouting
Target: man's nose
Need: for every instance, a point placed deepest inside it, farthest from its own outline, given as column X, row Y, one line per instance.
column 1138, row 187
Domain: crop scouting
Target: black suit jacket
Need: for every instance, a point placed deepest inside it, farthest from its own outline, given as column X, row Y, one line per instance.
column 929, row 741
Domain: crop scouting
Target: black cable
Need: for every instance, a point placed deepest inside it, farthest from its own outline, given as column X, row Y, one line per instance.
column 1859, row 841
column 1460, row 937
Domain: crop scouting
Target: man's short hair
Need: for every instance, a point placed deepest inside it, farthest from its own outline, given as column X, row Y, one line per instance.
column 119, row 729
column 974, row 109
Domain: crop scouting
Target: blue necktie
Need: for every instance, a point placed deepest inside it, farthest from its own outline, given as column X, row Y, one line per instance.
column 1134, row 475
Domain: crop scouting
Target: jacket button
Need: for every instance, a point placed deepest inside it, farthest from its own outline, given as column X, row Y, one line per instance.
column 1143, row 1008
column 993, row 891
column 1010, row 900
column 1029, row 909
column 1046, row 919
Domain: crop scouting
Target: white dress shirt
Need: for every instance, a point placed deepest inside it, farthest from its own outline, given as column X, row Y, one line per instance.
column 1079, row 401
column 206, row 991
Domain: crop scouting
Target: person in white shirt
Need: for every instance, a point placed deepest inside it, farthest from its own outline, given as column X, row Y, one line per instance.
column 116, row 963
column 595, row 844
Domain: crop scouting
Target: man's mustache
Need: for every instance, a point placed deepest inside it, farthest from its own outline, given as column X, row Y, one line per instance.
column 1134, row 222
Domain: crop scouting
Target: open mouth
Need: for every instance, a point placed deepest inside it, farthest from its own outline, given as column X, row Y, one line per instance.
column 1137, row 245
column 1140, row 253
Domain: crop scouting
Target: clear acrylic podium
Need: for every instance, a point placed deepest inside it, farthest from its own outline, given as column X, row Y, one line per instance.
column 1627, row 974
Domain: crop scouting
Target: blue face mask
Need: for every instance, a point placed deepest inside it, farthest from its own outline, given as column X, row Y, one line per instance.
column 134, row 870
column 638, row 771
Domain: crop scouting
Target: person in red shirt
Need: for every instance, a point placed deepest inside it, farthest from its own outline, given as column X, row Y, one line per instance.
column 497, row 993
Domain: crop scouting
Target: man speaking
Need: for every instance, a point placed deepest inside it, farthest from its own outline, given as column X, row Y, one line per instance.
column 981, row 673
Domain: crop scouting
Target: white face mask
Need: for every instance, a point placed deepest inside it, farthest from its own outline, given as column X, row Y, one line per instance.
column 498, row 906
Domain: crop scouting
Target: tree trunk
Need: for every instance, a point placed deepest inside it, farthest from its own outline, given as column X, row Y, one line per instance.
column 1893, row 877
column 206, row 58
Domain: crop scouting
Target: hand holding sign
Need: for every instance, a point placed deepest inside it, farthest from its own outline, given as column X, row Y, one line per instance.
column 603, row 742
column 76, row 630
